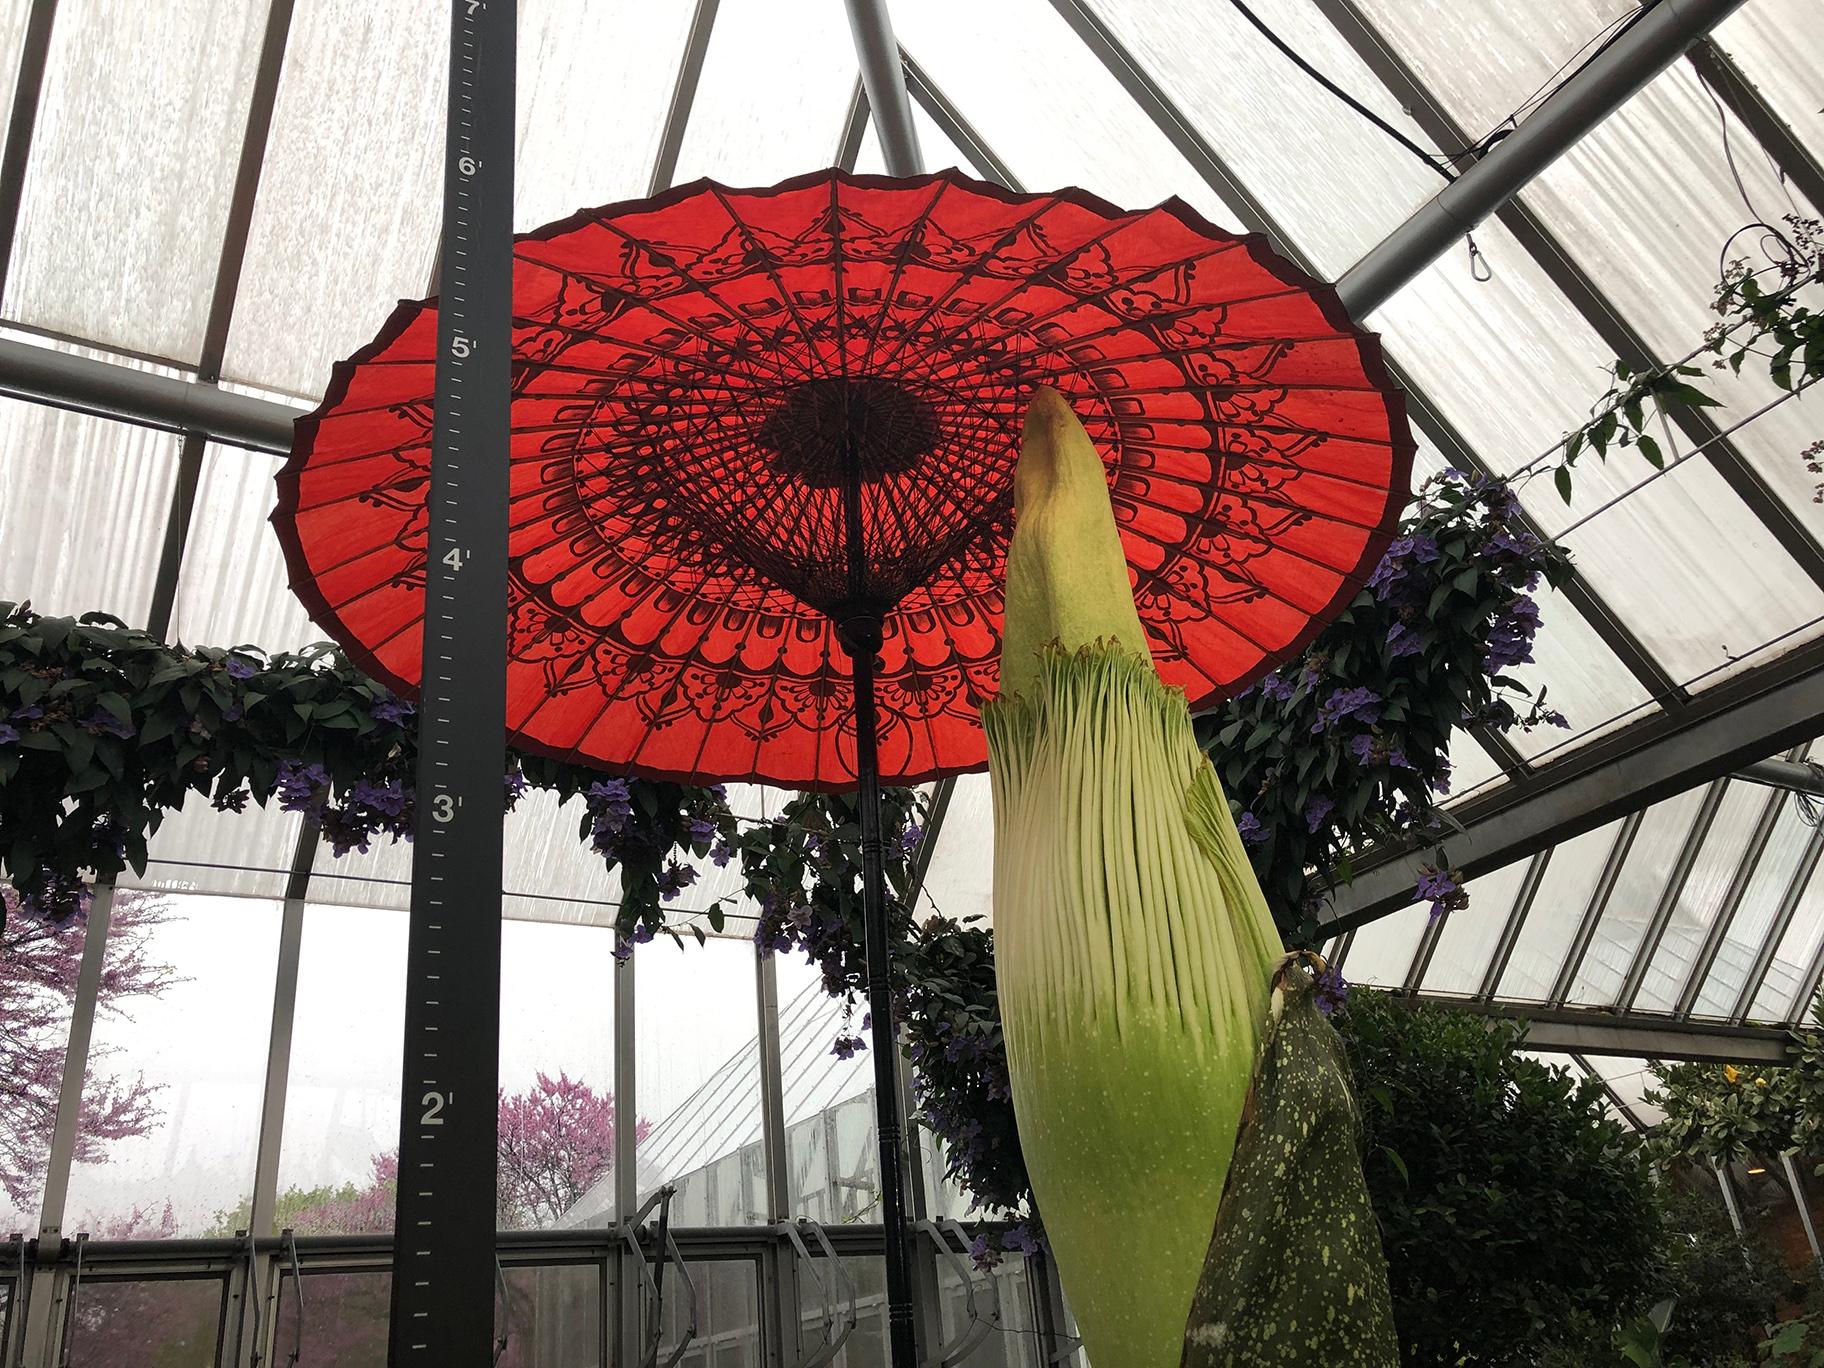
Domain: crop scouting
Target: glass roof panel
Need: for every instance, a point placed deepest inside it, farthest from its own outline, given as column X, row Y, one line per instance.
column 1467, row 942
column 1579, row 676
column 776, row 84
column 132, row 167
column 595, row 81
column 1382, row 951
column 233, row 588
column 12, row 40
column 1043, row 102
column 1658, row 557
column 1700, row 900
column 1485, row 59
column 1781, row 996
column 1663, row 833
column 959, row 882
column 1557, row 910
column 346, row 218
column 1629, row 1079
column 1779, row 46
column 1335, row 182
column 1662, row 160
column 200, row 850
column 1772, row 875
column 83, row 504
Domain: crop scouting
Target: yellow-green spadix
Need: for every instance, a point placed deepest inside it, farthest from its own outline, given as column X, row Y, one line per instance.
column 1133, row 947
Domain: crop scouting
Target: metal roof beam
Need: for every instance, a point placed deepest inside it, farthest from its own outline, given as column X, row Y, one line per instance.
column 1630, row 1035
column 1647, row 47
column 1794, row 160
column 956, row 128
column 1672, row 894
column 1617, row 334
column 1791, row 774
column 884, row 78
column 1720, row 924
column 683, row 96
column 1765, row 709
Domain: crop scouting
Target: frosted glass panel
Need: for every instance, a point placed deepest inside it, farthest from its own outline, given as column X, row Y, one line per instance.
column 83, row 504
column 776, row 84
column 1043, row 102
column 342, row 1095
column 1557, row 910
column 200, row 850
column 197, row 1036
column 1581, row 678
column 133, row 162
column 12, row 39
column 234, row 589
column 1467, row 941
column 1382, row 950
column 346, row 219
column 1773, row 874
column 1779, row 46
column 1642, row 881
column 1655, row 556
column 1337, row 183
column 594, row 83
column 960, row 880
column 1701, row 898
column 1785, row 993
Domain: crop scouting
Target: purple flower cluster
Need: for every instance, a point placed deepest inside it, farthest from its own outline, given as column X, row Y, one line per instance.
column 302, row 788
column 55, row 898
column 100, row 722
column 1443, row 888
column 1316, row 810
column 1361, row 703
column 1510, row 636
column 1330, row 990
column 240, row 668
column 396, row 711
column 1391, row 578
column 1277, row 688
column 1248, row 827
column 848, row 1046
column 516, row 788
column 1402, row 640
column 674, row 879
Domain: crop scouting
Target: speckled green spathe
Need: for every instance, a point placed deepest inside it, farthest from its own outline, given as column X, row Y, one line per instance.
column 1132, row 952
column 1295, row 1276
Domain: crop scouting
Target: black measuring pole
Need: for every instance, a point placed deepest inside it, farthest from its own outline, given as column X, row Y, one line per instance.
column 443, row 1243
column 859, row 634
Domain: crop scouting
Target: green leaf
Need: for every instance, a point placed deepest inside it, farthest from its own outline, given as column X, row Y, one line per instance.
column 1650, row 449
column 1562, row 478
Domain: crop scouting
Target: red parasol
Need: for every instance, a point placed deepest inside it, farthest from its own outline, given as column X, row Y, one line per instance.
column 706, row 384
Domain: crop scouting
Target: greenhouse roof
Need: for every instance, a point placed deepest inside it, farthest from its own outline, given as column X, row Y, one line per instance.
column 233, row 196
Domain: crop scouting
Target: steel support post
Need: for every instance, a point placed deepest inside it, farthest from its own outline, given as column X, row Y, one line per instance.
column 626, row 1158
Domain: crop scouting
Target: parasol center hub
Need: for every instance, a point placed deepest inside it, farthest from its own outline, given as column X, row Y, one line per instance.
column 885, row 427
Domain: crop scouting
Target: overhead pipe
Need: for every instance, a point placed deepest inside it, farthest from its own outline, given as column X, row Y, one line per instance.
column 884, row 79
column 1647, row 47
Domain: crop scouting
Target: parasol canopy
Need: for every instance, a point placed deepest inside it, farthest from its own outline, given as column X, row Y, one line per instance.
column 703, row 379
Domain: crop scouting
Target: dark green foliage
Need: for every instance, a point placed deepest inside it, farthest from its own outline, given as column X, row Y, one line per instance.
column 1295, row 1275
column 1513, row 1209
column 1722, row 1288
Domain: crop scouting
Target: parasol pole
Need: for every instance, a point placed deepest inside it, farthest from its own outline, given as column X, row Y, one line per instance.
column 859, row 632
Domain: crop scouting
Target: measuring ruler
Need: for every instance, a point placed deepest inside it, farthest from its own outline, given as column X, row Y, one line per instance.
column 443, row 1242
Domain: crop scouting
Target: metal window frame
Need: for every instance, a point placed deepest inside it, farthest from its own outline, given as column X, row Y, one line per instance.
column 1632, row 1035
column 1718, row 70
column 1627, row 1113
column 1600, row 893
column 1767, row 708
column 1515, row 924
column 22, row 123
column 1776, row 931
column 1669, row 897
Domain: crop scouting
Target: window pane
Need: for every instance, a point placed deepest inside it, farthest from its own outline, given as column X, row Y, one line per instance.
column 697, row 1070
column 344, row 1319
column 342, row 1096
column 556, row 1075
column 553, row 1317
column 832, row 1168
column 190, row 1021
column 1773, row 874
column 728, row 1317
column 1382, row 951
column 38, row 966
column 1663, row 833
column 174, row 1323
column 1557, row 911
column 82, row 511
column 133, row 161
column 1469, row 935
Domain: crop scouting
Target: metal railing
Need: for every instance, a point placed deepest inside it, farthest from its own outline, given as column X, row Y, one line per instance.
column 295, row 1301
